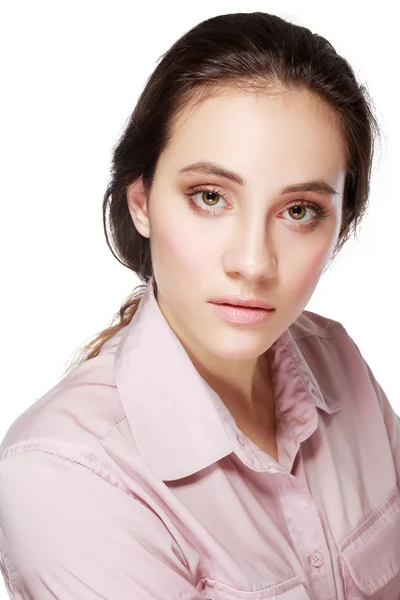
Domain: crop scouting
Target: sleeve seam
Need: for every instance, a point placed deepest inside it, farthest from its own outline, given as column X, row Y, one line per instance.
column 98, row 469
column 7, row 571
column 94, row 468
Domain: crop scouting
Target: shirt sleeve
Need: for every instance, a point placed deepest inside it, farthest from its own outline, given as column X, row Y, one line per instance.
column 391, row 418
column 67, row 533
column 392, row 422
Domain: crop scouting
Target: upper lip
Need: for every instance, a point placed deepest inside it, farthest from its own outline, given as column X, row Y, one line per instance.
column 239, row 301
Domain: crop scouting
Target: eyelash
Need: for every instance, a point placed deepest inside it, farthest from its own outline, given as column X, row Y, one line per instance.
column 320, row 212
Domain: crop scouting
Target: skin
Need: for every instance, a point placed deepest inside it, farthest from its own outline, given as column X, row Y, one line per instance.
column 256, row 246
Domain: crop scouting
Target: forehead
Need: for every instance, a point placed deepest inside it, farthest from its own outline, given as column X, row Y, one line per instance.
column 285, row 135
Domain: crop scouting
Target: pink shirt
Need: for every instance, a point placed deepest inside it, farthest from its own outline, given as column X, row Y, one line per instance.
column 129, row 479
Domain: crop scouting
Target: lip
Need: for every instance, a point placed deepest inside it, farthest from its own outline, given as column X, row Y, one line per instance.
column 242, row 314
column 239, row 301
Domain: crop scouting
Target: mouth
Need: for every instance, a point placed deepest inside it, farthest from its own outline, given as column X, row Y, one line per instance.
column 242, row 302
column 241, row 306
column 245, row 315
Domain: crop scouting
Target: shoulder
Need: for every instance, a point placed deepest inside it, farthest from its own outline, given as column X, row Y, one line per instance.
column 325, row 343
column 335, row 360
column 75, row 413
column 330, row 352
column 311, row 324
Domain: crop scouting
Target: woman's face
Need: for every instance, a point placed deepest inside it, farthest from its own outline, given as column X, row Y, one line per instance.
column 257, row 244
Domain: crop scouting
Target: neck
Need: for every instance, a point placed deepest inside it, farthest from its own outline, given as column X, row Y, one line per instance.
column 245, row 397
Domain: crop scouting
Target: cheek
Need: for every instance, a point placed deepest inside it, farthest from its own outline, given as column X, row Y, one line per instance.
column 176, row 250
column 307, row 274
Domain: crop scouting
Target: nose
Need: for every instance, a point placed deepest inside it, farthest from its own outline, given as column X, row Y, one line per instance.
column 251, row 253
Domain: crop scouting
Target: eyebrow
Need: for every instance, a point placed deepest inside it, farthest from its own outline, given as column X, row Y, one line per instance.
column 210, row 168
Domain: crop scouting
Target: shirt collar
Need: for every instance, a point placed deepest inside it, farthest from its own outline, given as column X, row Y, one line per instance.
column 179, row 423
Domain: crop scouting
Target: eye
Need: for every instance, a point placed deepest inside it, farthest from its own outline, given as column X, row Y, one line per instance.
column 301, row 207
column 320, row 213
column 209, row 197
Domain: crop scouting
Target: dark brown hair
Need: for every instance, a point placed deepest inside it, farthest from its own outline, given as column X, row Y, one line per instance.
column 243, row 51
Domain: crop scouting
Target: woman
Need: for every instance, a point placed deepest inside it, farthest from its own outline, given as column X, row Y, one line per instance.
column 197, row 449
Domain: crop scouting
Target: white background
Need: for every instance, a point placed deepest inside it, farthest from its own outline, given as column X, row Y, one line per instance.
column 71, row 73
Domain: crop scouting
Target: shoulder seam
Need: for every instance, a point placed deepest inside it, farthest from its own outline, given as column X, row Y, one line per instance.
column 340, row 329
column 97, row 469
column 36, row 443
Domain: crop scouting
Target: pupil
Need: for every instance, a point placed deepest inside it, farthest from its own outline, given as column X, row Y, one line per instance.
column 297, row 208
column 208, row 194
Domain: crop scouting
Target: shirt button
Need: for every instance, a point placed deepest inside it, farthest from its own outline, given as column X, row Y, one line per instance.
column 316, row 559
column 240, row 441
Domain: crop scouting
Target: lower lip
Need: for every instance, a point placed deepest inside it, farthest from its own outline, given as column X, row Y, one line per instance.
column 241, row 314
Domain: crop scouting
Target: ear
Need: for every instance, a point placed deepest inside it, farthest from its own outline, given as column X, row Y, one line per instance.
column 138, row 207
